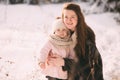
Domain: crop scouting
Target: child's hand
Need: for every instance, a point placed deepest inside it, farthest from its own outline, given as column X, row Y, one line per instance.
column 57, row 61
column 42, row 65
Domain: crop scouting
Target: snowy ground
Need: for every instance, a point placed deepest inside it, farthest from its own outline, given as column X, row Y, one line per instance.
column 23, row 30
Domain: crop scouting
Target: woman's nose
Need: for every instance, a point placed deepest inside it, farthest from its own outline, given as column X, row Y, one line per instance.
column 69, row 19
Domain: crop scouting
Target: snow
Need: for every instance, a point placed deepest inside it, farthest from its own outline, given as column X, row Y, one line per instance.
column 23, row 30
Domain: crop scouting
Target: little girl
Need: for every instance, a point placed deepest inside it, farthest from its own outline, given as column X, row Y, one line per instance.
column 58, row 42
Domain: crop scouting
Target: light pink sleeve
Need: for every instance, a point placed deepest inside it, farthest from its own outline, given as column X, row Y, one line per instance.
column 44, row 51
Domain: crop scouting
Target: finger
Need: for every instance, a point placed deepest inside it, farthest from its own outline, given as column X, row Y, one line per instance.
column 51, row 63
column 53, row 58
column 56, row 55
column 50, row 53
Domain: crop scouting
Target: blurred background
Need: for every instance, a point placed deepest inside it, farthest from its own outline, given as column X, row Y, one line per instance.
column 106, row 5
column 25, row 25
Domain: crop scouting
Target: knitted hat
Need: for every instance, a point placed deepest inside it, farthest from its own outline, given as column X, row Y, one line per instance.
column 58, row 24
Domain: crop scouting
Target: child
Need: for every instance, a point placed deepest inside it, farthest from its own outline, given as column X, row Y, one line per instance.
column 58, row 42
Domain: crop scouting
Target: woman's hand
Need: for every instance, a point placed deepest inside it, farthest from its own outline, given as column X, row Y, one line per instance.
column 42, row 65
column 55, row 59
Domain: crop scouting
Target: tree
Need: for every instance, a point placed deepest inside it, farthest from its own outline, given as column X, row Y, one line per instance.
column 16, row 1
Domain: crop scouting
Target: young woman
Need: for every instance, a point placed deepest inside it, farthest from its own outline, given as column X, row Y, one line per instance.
column 87, row 64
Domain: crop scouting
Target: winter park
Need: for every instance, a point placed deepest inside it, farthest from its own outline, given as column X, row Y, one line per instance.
column 25, row 25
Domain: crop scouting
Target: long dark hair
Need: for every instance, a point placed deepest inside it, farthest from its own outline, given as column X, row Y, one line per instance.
column 81, row 30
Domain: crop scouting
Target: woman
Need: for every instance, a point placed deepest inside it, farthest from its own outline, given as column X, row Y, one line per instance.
column 87, row 63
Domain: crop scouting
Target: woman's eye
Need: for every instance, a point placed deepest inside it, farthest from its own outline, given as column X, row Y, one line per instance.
column 73, row 17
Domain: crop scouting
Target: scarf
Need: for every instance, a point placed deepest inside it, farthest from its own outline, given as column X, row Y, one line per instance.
column 57, row 41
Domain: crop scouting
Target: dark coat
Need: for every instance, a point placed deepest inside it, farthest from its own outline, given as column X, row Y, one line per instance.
column 88, row 67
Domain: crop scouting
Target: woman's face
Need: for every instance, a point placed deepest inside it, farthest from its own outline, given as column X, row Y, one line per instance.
column 70, row 19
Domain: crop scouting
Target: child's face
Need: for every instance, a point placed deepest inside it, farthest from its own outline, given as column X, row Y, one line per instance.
column 62, row 33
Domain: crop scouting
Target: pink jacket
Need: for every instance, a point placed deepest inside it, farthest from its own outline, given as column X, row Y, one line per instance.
column 53, row 71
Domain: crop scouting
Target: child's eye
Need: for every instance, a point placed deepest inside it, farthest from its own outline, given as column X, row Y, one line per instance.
column 65, row 17
column 64, row 29
column 58, row 29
